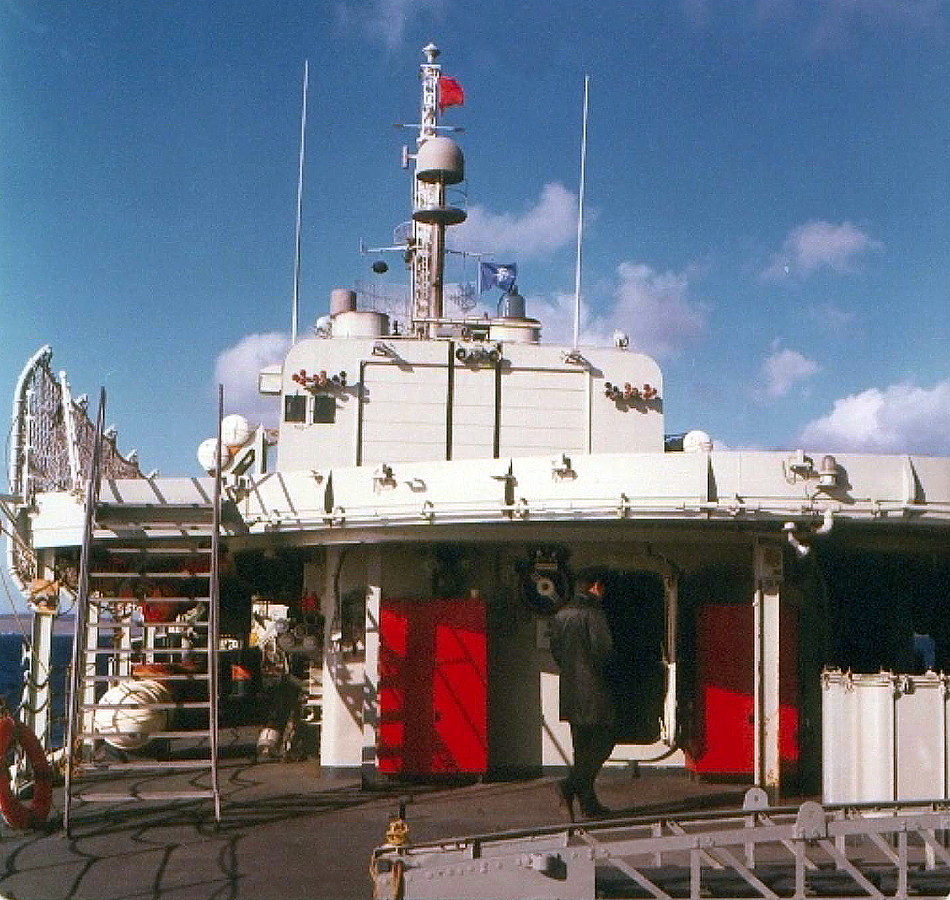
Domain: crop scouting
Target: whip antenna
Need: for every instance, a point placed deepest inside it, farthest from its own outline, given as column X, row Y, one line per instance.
column 580, row 222
column 303, row 146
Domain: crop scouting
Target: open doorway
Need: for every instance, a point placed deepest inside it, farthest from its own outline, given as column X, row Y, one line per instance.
column 636, row 608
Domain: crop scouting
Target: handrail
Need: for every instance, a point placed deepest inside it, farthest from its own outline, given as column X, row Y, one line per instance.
column 80, row 620
column 213, row 617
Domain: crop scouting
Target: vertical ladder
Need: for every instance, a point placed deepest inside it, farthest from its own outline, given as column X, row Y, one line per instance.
column 142, row 720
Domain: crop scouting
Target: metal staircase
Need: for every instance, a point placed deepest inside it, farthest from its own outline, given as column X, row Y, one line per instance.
column 143, row 700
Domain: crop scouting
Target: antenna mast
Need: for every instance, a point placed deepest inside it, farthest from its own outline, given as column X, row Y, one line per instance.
column 425, row 236
column 299, row 219
column 580, row 221
column 438, row 163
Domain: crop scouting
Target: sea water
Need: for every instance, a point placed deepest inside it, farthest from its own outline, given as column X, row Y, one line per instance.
column 12, row 673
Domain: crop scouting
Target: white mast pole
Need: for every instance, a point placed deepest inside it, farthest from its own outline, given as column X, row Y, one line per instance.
column 297, row 229
column 580, row 222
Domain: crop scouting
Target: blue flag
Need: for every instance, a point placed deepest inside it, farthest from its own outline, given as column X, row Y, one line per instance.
column 496, row 275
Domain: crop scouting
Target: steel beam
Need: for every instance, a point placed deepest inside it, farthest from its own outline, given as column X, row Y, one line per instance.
column 374, row 593
column 768, row 572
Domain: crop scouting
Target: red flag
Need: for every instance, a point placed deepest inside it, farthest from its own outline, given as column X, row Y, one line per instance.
column 450, row 92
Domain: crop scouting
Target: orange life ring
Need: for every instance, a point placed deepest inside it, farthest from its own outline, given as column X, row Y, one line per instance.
column 15, row 813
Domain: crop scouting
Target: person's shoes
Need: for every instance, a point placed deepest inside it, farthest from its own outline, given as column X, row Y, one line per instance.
column 594, row 809
column 565, row 799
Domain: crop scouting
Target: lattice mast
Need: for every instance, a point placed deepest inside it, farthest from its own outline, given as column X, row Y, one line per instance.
column 422, row 193
column 438, row 164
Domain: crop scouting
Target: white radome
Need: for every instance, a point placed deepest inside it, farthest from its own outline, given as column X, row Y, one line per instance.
column 696, row 441
column 236, row 431
column 209, row 456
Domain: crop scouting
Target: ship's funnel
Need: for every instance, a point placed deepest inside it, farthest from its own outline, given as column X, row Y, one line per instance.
column 341, row 301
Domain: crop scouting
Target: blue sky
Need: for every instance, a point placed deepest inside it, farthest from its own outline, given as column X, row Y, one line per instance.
column 768, row 196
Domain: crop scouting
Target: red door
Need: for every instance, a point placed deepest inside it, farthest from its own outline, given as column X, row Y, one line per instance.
column 432, row 687
column 725, row 739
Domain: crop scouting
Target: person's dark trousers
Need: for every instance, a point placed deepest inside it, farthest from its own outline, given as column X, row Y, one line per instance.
column 592, row 746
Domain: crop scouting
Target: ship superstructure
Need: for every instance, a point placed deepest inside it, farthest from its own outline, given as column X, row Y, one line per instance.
column 451, row 387
column 431, row 491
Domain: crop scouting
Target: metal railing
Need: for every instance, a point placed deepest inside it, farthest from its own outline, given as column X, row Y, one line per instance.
column 894, row 850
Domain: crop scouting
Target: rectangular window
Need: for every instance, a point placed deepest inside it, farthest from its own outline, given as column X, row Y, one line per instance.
column 295, row 409
column 324, row 409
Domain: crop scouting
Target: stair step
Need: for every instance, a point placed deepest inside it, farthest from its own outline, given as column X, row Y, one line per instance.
column 148, row 531
column 126, row 601
column 128, row 651
column 153, row 549
column 158, row 676
column 121, row 626
column 151, row 512
column 184, row 704
column 148, row 764
column 95, row 797
column 99, row 736
column 133, row 574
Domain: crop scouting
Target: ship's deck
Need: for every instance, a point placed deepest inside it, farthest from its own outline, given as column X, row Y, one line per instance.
column 287, row 831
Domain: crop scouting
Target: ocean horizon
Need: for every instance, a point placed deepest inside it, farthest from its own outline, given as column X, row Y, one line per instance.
column 19, row 623
column 13, row 669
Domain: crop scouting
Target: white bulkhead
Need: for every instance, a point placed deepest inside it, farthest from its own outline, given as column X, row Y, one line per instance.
column 359, row 401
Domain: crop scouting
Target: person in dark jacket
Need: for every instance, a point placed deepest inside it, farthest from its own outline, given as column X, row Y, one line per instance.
column 582, row 647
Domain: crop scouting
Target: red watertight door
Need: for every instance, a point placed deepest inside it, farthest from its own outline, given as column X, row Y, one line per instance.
column 725, row 738
column 432, row 687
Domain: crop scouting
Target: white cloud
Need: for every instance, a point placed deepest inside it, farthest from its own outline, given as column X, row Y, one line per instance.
column 557, row 320
column 547, row 225
column 831, row 316
column 838, row 20
column 387, row 20
column 902, row 418
column 653, row 308
column 237, row 368
column 817, row 245
column 784, row 369
column 826, row 24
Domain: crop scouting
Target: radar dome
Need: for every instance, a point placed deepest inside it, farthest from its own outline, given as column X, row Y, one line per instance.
column 697, row 441
column 210, row 457
column 235, row 430
column 440, row 160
